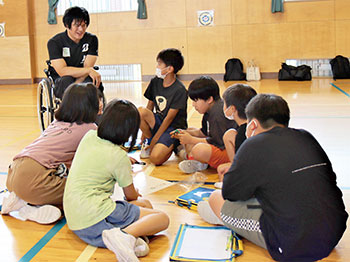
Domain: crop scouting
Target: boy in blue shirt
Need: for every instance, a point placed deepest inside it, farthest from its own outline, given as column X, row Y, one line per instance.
column 168, row 96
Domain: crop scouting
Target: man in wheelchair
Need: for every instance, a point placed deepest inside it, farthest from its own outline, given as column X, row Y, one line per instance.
column 73, row 53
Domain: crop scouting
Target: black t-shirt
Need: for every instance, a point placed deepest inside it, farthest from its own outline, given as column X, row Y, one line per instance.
column 288, row 172
column 164, row 98
column 240, row 137
column 61, row 46
column 215, row 124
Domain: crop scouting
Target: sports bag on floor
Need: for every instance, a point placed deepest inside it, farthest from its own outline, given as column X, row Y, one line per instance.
column 340, row 67
column 234, row 70
column 299, row 73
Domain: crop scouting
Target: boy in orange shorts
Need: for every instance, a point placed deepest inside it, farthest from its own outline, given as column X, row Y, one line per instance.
column 205, row 146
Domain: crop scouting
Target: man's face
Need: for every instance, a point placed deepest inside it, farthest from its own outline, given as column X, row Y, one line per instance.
column 77, row 30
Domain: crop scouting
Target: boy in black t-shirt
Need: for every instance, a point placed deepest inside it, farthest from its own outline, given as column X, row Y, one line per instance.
column 168, row 96
column 236, row 98
column 73, row 53
column 281, row 191
column 205, row 145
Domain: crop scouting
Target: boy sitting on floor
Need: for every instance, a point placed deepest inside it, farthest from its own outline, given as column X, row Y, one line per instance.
column 205, row 146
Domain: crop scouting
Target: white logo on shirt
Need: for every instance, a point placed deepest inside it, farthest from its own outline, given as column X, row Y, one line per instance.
column 161, row 102
column 66, row 52
column 85, row 47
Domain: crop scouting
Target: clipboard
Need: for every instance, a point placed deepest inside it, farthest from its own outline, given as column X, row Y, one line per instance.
column 205, row 244
column 191, row 198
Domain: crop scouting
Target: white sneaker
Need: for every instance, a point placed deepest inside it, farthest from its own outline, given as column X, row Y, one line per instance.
column 121, row 244
column 12, row 203
column 46, row 214
column 207, row 214
column 145, row 151
column 192, row 166
column 218, row 185
column 141, row 248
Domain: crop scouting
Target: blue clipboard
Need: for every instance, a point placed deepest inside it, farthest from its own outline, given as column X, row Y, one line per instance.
column 199, row 243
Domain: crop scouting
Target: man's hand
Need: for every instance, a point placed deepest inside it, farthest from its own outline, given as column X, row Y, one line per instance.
column 96, row 77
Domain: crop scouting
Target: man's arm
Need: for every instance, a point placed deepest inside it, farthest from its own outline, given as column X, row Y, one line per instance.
column 77, row 72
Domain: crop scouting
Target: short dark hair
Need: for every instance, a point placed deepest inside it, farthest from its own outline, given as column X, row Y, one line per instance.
column 120, row 121
column 203, row 88
column 269, row 110
column 77, row 13
column 80, row 104
column 172, row 57
column 239, row 95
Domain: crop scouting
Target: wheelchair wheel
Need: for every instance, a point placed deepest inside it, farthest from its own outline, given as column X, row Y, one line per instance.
column 45, row 104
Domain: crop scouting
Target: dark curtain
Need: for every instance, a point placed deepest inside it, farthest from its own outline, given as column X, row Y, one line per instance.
column 51, row 19
column 277, row 6
column 141, row 11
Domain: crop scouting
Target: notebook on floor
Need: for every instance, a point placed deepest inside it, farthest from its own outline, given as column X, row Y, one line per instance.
column 191, row 198
column 198, row 243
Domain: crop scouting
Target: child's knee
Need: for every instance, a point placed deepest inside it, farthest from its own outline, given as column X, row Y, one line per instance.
column 165, row 219
column 201, row 150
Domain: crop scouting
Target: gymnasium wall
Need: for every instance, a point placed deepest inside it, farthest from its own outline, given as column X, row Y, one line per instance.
column 243, row 29
column 15, row 65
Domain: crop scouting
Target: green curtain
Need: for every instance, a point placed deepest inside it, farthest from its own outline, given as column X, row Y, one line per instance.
column 141, row 11
column 277, row 6
column 51, row 19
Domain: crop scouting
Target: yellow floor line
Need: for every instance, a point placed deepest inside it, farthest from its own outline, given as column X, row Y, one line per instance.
column 86, row 254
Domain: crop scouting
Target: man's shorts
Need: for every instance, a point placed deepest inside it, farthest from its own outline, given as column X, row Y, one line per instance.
column 165, row 138
column 217, row 157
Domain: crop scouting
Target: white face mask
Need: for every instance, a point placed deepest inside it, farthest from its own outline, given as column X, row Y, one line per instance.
column 159, row 73
column 248, row 128
column 228, row 117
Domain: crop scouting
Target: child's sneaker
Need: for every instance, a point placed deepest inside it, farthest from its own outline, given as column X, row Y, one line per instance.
column 12, row 203
column 61, row 170
column 145, row 151
column 122, row 244
column 192, row 166
column 218, row 185
column 141, row 248
column 46, row 214
column 207, row 214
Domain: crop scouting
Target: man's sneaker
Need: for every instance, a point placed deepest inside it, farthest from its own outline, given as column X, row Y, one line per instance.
column 12, row 203
column 46, row 214
column 192, row 166
column 122, row 244
column 207, row 214
column 145, row 151
column 218, row 185
column 141, row 248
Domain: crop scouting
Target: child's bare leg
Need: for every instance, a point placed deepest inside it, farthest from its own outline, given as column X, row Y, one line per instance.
column 216, row 202
column 229, row 139
column 150, row 222
column 201, row 152
column 160, row 153
column 147, row 121
column 141, row 202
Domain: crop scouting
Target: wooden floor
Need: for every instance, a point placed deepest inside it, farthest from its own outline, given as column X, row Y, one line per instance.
column 316, row 106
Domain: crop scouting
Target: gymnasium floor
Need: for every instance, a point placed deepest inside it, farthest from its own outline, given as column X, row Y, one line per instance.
column 317, row 106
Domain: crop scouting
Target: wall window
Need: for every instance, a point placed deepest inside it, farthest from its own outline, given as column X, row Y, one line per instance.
column 98, row 6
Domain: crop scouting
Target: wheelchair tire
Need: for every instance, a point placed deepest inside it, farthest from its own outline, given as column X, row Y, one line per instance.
column 45, row 104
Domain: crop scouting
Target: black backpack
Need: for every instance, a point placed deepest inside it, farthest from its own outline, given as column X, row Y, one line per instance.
column 340, row 67
column 299, row 73
column 234, row 70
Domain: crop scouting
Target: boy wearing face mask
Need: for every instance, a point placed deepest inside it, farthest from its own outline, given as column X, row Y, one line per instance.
column 236, row 98
column 168, row 96
column 205, row 146
column 280, row 192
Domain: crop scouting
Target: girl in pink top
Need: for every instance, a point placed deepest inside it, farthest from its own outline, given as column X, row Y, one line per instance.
column 37, row 175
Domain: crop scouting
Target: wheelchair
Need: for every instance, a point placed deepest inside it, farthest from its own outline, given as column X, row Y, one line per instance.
column 47, row 103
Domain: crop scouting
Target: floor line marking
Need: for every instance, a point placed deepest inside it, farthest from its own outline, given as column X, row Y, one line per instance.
column 341, row 90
